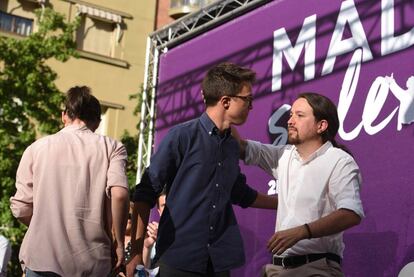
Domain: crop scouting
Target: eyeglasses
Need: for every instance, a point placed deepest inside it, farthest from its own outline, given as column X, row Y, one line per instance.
column 247, row 99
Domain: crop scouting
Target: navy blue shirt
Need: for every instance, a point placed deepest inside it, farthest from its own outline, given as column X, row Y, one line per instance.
column 200, row 169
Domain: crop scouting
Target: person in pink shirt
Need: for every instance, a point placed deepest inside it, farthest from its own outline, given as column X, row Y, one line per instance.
column 71, row 190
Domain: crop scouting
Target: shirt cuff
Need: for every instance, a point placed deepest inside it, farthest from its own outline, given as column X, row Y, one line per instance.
column 352, row 205
column 248, row 199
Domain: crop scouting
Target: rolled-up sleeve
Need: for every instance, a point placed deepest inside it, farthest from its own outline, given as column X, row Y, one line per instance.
column 144, row 191
column 21, row 203
column 344, row 188
column 242, row 194
column 162, row 170
column 117, row 168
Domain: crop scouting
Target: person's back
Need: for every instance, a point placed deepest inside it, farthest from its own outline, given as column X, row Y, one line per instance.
column 69, row 175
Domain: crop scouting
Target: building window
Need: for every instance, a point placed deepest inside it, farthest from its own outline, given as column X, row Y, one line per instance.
column 96, row 36
column 100, row 31
column 15, row 24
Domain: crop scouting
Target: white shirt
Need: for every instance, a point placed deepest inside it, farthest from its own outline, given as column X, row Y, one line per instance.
column 5, row 254
column 308, row 190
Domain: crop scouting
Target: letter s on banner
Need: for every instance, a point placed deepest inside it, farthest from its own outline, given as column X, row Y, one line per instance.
column 274, row 129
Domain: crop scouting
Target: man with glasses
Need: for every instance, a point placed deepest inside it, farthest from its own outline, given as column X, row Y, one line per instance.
column 248, row 99
column 197, row 163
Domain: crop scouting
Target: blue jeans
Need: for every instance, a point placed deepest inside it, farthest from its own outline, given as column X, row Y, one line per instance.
column 30, row 273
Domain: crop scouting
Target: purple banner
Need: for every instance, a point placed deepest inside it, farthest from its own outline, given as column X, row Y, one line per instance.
column 358, row 53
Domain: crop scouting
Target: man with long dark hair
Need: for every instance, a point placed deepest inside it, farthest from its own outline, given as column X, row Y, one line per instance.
column 318, row 191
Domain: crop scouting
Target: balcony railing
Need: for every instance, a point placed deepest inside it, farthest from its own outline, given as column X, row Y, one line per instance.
column 179, row 8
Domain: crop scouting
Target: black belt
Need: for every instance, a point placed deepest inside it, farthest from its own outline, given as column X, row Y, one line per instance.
column 295, row 261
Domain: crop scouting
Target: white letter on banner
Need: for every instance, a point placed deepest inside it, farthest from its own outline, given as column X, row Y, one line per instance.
column 347, row 95
column 389, row 43
column 277, row 130
column 376, row 98
column 283, row 45
column 348, row 14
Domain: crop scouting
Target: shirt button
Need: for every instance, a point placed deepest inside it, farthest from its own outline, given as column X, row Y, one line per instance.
column 211, row 227
column 208, row 244
column 219, row 163
column 217, row 185
column 214, row 206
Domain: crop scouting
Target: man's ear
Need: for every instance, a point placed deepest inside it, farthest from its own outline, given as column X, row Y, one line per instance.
column 322, row 126
column 225, row 102
column 64, row 118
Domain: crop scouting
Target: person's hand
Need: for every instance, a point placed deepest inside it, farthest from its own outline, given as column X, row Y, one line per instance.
column 235, row 133
column 282, row 240
column 119, row 272
column 120, row 257
column 152, row 232
column 242, row 142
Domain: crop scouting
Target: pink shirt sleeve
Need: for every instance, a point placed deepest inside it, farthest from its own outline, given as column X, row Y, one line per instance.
column 117, row 168
column 21, row 203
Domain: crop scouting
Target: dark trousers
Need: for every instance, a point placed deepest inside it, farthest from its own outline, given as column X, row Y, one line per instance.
column 167, row 271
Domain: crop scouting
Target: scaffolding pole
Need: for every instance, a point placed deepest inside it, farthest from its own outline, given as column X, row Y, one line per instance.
column 169, row 36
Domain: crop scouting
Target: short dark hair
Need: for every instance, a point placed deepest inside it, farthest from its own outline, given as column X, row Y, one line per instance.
column 324, row 109
column 81, row 104
column 225, row 79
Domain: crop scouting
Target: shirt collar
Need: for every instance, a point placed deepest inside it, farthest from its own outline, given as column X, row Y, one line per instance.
column 321, row 150
column 210, row 127
column 75, row 127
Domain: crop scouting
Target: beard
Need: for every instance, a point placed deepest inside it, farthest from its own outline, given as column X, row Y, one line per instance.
column 293, row 137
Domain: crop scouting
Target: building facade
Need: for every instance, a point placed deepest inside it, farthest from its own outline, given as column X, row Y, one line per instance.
column 170, row 10
column 111, row 42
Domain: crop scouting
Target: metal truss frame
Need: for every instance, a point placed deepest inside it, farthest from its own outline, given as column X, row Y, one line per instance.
column 160, row 41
